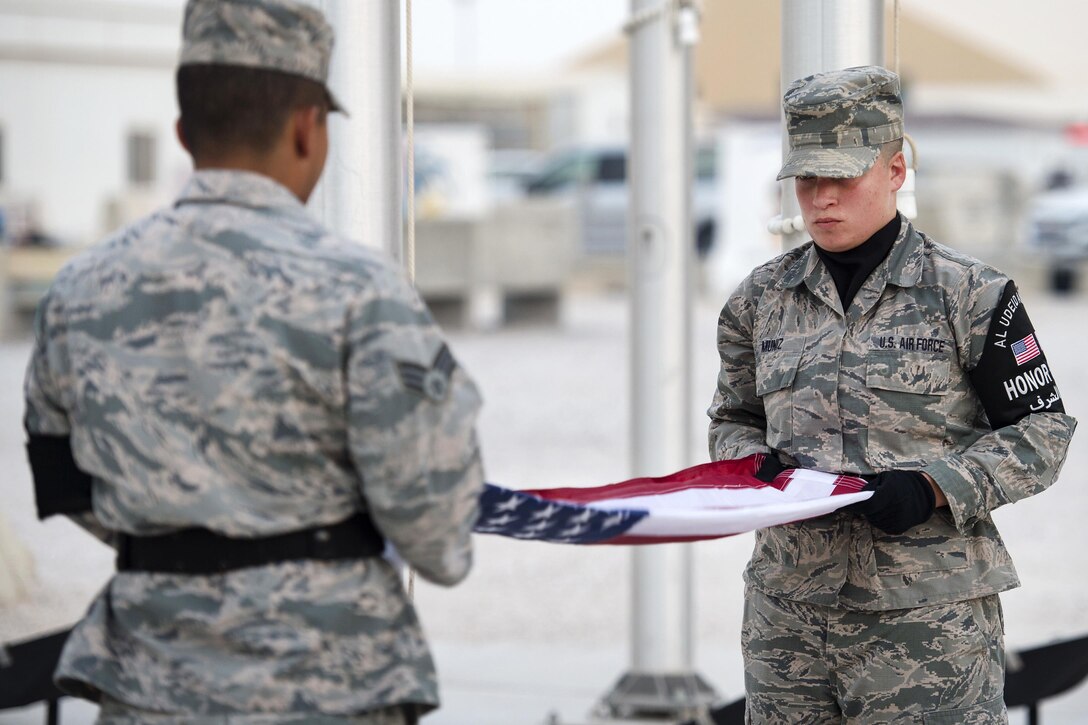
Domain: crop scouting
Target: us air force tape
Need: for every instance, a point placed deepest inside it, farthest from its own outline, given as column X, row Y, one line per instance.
column 1012, row 377
column 432, row 382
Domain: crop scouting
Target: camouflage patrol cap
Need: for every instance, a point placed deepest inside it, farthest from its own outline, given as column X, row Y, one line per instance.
column 279, row 35
column 836, row 121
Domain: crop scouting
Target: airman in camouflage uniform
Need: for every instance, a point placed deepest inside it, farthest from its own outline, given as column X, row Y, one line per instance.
column 229, row 364
column 888, row 613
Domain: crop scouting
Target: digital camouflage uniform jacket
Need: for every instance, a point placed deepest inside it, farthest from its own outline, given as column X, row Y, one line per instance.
column 228, row 363
column 884, row 387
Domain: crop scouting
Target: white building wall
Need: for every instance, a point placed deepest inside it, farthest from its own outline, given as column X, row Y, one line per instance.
column 590, row 109
column 65, row 130
column 76, row 78
column 603, row 110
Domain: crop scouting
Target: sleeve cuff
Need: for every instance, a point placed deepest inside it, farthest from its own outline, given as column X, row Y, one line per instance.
column 961, row 490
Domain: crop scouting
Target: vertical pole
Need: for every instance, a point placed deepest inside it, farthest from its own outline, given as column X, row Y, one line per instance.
column 823, row 36
column 660, row 243
column 361, row 192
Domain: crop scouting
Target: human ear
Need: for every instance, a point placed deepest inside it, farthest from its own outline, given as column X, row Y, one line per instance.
column 897, row 168
column 179, row 131
column 305, row 122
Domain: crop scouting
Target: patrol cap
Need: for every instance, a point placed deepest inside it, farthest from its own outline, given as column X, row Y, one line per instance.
column 279, row 35
column 836, row 121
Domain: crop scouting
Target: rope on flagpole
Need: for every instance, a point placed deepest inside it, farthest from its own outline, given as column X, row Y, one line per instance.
column 895, row 40
column 912, row 169
column 410, row 241
column 409, row 114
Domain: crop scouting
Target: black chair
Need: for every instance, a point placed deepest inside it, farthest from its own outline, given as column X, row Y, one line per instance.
column 26, row 674
column 1033, row 675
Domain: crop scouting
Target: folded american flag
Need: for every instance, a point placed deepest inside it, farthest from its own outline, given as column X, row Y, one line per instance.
column 703, row 502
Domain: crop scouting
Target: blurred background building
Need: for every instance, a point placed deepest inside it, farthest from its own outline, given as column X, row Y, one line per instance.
column 996, row 101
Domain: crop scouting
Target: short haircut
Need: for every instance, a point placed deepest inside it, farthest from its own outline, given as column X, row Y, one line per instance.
column 890, row 149
column 226, row 106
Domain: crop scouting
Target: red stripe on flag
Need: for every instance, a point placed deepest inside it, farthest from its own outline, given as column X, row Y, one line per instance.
column 732, row 474
column 625, row 539
column 739, row 473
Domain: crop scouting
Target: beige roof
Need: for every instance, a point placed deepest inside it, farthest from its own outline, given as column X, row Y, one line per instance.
column 737, row 60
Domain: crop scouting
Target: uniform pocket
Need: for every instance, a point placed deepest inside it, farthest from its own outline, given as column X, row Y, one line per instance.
column 894, row 370
column 991, row 712
column 777, row 373
column 775, row 376
column 932, row 546
column 907, row 419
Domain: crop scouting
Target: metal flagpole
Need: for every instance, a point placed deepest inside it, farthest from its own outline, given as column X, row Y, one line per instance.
column 362, row 187
column 818, row 37
column 362, row 191
column 661, row 682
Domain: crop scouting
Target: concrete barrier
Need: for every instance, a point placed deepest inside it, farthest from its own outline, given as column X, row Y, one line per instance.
column 25, row 275
column 510, row 265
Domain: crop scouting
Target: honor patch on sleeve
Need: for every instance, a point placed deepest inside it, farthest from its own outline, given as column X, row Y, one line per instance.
column 1012, row 377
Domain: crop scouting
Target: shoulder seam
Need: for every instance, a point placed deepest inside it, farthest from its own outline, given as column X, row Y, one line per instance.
column 965, row 260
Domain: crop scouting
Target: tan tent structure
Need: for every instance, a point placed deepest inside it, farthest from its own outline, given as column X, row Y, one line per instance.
column 737, row 58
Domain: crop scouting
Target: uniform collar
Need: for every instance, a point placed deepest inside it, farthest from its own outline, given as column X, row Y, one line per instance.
column 242, row 188
column 902, row 267
column 904, row 262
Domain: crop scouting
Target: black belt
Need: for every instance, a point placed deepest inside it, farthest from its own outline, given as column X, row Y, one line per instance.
column 201, row 551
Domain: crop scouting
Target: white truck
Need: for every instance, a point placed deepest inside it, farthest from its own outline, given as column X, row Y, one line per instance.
column 594, row 178
column 1057, row 229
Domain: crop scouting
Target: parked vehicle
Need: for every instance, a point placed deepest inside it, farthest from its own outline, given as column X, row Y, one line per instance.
column 508, row 172
column 1057, row 229
column 1058, row 223
column 595, row 178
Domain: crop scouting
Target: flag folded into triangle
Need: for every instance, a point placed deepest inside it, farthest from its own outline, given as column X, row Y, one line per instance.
column 703, row 502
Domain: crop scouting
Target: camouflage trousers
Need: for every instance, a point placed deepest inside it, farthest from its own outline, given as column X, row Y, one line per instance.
column 113, row 712
column 805, row 663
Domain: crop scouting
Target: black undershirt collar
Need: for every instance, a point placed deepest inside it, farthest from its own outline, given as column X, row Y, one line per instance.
column 851, row 268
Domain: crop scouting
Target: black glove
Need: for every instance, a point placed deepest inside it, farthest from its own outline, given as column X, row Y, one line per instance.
column 901, row 500
column 770, row 468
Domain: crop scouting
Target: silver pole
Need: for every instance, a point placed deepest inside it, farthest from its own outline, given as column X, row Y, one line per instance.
column 823, row 36
column 362, row 187
column 661, row 680
column 659, row 188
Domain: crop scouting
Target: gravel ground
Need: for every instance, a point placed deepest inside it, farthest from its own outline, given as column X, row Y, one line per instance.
column 540, row 628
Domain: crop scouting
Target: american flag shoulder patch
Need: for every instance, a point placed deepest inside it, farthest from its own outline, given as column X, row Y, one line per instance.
column 1025, row 349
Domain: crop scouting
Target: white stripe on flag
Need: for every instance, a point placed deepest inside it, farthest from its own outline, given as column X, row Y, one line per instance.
column 733, row 510
column 725, row 522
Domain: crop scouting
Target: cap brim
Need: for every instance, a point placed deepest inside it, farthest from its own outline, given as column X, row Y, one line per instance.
column 334, row 103
column 830, row 163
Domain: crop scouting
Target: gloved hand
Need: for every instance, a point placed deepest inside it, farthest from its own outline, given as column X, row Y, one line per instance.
column 770, row 468
column 901, row 500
